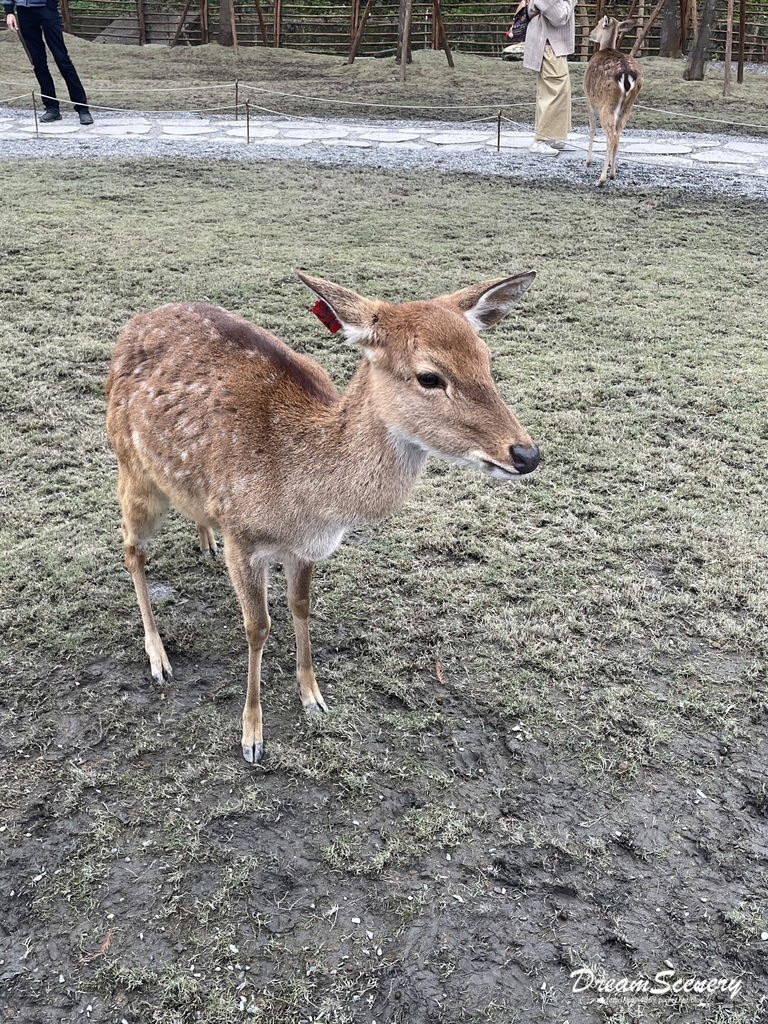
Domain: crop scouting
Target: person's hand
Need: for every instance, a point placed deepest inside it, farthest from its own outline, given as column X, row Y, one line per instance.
column 11, row 22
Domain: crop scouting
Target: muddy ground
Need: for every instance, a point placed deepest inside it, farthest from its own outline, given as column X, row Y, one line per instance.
column 144, row 889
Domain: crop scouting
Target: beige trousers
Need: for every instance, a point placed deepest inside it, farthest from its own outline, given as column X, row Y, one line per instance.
column 553, row 98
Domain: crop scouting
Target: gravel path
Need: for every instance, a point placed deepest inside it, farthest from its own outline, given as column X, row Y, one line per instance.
column 704, row 164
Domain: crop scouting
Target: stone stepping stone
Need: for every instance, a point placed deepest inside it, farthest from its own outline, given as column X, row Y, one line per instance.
column 391, row 137
column 462, row 148
column 657, row 148
column 755, row 148
column 513, row 140
column 401, row 145
column 121, row 122
column 722, row 157
column 349, row 143
column 256, row 133
column 457, row 138
column 283, row 142
column 314, row 133
column 185, row 131
column 52, row 129
column 122, row 131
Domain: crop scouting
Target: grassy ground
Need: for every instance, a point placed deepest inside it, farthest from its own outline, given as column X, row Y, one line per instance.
column 548, row 735
column 133, row 77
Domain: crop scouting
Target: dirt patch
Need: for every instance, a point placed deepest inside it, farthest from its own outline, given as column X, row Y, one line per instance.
column 140, row 884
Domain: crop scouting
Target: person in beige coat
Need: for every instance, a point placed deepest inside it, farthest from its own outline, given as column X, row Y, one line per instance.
column 550, row 37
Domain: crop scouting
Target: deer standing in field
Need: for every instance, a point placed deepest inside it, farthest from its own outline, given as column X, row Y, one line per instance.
column 222, row 420
column 611, row 84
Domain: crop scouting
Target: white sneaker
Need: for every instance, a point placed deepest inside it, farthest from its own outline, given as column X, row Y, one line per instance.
column 558, row 144
column 541, row 148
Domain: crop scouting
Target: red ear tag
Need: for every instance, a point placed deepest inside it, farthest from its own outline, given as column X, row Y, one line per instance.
column 325, row 315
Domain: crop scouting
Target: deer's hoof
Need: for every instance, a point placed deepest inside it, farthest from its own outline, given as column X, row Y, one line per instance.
column 318, row 708
column 252, row 752
column 160, row 668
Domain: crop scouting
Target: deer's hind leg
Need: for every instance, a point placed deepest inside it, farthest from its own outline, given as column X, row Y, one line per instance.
column 144, row 508
column 299, row 576
column 249, row 574
column 207, row 540
column 592, row 116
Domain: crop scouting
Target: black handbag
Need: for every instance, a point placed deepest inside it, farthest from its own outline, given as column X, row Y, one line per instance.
column 519, row 26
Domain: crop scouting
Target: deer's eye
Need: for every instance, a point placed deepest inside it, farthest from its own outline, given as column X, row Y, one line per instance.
column 429, row 380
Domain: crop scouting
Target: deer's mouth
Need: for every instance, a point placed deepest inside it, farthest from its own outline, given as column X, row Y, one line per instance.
column 499, row 471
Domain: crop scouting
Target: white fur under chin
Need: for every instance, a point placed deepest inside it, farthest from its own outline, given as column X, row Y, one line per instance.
column 413, row 451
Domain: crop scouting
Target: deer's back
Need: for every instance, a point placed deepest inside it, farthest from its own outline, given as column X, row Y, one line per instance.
column 198, row 397
column 620, row 72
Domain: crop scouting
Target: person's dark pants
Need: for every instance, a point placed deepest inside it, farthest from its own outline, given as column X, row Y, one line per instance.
column 41, row 25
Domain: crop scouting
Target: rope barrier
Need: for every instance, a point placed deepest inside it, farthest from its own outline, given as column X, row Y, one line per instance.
column 700, row 117
column 387, row 106
column 19, row 97
column 577, row 101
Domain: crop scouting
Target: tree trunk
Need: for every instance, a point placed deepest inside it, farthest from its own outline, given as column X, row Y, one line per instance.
column 700, row 48
column 670, row 29
column 225, row 23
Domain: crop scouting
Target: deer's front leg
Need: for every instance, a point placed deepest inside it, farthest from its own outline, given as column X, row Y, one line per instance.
column 299, row 576
column 249, row 577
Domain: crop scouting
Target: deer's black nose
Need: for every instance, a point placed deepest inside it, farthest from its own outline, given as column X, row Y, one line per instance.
column 525, row 460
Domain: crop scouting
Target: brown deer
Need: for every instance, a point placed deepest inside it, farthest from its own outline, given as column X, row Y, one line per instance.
column 222, row 420
column 612, row 83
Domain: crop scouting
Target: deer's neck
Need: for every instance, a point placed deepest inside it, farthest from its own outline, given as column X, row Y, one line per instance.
column 372, row 471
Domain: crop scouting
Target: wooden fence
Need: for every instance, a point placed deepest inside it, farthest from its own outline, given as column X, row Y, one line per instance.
column 328, row 27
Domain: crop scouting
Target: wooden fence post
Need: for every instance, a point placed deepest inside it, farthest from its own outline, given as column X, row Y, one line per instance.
column 277, row 14
column 646, row 29
column 404, row 34
column 142, row 22
column 262, row 25
column 65, row 19
column 742, row 36
column 232, row 24
column 728, row 49
column 437, row 18
column 205, row 34
column 359, row 34
column 180, row 26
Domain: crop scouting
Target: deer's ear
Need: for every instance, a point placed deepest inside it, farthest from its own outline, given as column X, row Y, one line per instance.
column 627, row 26
column 606, row 21
column 486, row 303
column 356, row 315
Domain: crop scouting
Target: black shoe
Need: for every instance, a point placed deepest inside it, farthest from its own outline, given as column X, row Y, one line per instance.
column 85, row 116
column 51, row 114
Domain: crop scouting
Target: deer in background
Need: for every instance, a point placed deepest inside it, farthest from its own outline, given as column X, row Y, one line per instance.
column 222, row 420
column 612, row 83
